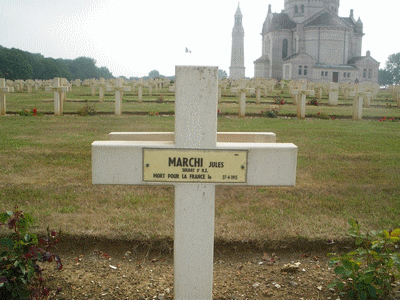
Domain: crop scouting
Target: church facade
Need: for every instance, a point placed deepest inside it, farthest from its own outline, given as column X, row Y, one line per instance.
column 308, row 40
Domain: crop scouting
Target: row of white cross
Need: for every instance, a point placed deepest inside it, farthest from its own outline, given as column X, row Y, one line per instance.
column 299, row 92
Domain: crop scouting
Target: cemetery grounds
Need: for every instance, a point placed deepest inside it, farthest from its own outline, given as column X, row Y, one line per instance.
column 117, row 240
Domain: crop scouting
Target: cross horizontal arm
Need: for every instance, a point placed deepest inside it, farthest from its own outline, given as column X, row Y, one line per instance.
column 121, row 162
column 239, row 137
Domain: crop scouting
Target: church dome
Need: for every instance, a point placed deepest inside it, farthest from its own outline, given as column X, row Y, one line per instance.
column 302, row 9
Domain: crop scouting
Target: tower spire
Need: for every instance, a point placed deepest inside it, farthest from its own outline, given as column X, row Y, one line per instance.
column 237, row 69
column 238, row 13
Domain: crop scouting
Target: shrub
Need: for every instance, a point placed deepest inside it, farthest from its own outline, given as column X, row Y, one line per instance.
column 313, row 102
column 28, row 113
column 323, row 116
column 272, row 113
column 20, row 275
column 87, row 110
column 369, row 271
column 160, row 99
column 279, row 101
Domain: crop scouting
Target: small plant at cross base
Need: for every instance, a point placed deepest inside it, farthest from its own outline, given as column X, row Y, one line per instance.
column 323, row 116
column 368, row 272
column 20, row 254
column 160, row 99
column 87, row 110
column 384, row 119
column 313, row 102
column 279, row 101
column 272, row 113
column 28, row 113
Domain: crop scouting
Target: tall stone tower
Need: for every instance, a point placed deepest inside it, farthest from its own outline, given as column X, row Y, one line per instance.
column 237, row 69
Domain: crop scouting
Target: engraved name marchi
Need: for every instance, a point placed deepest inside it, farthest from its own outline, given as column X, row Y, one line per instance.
column 192, row 162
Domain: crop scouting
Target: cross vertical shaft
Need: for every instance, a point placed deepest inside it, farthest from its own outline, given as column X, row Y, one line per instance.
column 195, row 127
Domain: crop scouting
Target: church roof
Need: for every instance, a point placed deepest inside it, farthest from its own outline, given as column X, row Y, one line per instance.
column 282, row 21
column 326, row 18
column 333, row 66
column 354, row 60
column 293, row 56
column 348, row 20
column 262, row 59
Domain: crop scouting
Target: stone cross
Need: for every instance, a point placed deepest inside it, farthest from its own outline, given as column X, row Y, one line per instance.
column 171, row 88
column 396, row 96
column 194, row 162
column 358, row 95
column 93, row 84
column 294, row 92
column 19, row 84
column 140, row 89
column 58, row 90
column 3, row 91
column 270, row 86
column 77, row 82
column 334, row 94
column 282, row 83
column 301, row 103
column 368, row 97
column 319, row 89
column 242, row 89
column 220, row 85
column 29, row 84
column 258, row 84
column 119, row 92
column 151, row 84
column 102, row 89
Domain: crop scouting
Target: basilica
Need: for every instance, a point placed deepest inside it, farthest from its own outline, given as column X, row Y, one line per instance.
column 308, row 40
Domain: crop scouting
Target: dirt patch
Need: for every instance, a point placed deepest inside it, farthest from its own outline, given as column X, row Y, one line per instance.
column 103, row 269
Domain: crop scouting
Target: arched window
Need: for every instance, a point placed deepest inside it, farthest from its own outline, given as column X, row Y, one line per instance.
column 302, row 8
column 296, row 9
column 285, row 47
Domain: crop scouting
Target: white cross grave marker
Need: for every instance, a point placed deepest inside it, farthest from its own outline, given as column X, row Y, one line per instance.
column 119, row 92
column 29, row 84
column 258, row 84
column 334, row 94
column 58, row 90
column 194, row 163
column 102, row 88
column 3, row 91
column 93, row 83
column 242, row 89
column 301, row 103
column 358, row 94
column 140, row 89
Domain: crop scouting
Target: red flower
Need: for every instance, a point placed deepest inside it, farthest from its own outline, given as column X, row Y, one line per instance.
column 34, row 110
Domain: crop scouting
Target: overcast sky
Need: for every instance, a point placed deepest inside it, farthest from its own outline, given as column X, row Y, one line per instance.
column 132, row 37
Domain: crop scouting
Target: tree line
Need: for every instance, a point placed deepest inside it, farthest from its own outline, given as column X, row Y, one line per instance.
column 17, row 64
column 391, row 74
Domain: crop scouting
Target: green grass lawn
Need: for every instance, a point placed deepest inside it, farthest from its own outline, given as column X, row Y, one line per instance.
column 345, row 170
